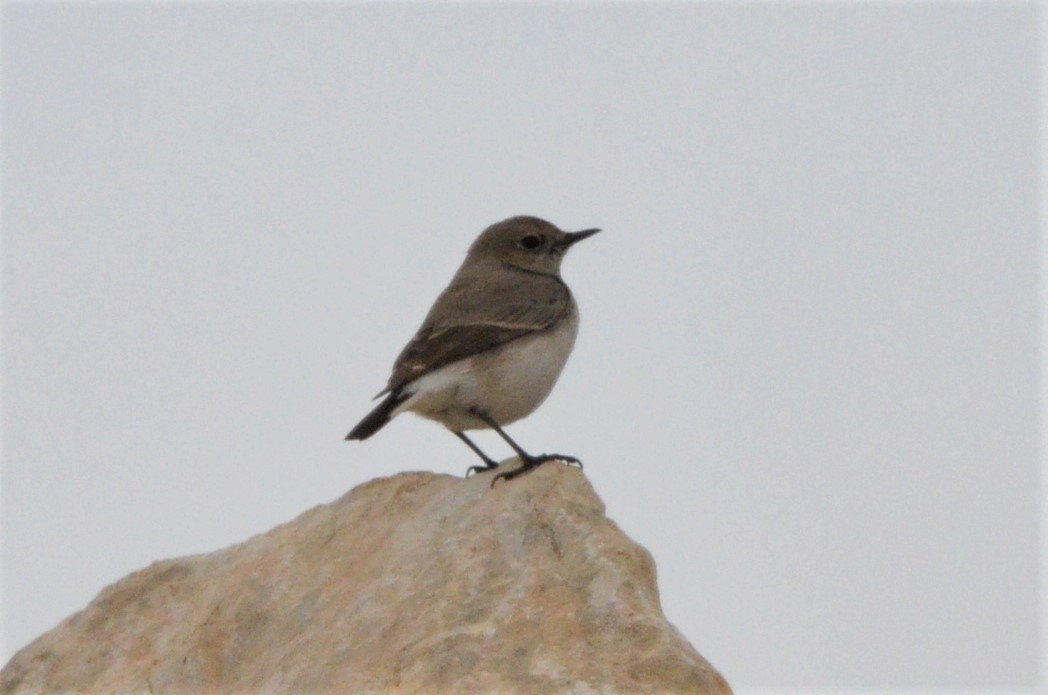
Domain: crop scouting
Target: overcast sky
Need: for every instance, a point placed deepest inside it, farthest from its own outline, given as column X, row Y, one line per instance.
column 807, row 373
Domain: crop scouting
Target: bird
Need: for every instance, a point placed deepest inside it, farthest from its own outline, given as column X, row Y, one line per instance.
column 493, row 344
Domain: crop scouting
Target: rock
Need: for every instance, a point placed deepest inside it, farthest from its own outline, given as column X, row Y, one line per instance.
column 419, row 583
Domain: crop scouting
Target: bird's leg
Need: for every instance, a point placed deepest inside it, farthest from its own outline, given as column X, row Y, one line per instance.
column 489, row 464
column 528, row 461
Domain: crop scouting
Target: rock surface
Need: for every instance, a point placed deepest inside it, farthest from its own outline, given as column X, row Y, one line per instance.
column 419, row 583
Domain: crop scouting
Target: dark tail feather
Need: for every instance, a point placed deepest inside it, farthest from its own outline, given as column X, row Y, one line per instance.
column 377, row 418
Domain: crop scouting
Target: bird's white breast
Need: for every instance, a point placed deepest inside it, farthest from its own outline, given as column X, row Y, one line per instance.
column 508, row 382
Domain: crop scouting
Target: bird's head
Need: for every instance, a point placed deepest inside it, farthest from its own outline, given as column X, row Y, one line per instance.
column 525, row 242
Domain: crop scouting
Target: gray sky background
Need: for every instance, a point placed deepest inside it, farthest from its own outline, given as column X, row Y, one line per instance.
column 807, row 374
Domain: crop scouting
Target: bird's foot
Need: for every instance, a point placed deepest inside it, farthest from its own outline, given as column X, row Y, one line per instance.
column 569, row 461
column 489, row 465
column 530, row 463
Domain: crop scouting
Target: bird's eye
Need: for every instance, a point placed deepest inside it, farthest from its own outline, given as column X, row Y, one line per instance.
column 530, row 242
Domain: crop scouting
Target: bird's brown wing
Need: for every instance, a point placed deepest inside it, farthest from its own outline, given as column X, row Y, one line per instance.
column 467, row 320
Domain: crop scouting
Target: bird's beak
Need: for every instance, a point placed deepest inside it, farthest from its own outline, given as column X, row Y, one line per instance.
column 571, row 238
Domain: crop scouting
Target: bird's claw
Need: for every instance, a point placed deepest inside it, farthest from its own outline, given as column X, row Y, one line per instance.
column 532, row 462
column 481, row 469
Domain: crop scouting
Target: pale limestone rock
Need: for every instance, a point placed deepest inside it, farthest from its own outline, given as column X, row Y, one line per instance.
column 419, row 583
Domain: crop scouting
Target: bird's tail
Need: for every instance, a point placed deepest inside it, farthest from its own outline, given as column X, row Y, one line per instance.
column 377, row 418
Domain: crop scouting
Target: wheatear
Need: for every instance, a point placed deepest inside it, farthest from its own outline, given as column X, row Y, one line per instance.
column 494, row 342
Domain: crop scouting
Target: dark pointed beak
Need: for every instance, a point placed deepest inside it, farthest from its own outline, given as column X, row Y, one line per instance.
column 570, row 238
